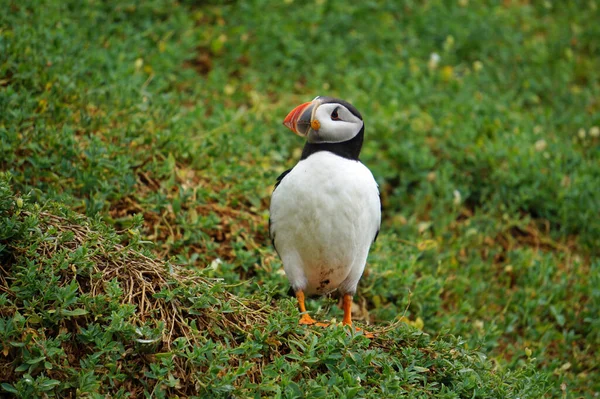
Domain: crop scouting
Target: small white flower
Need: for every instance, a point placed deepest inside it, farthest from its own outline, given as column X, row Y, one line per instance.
column 434, row 60
column 540, row 145
column 477, row 66
column 214, row 265
column 423, row 226
column 595, row 131
column 457, row 197
column 581, row 133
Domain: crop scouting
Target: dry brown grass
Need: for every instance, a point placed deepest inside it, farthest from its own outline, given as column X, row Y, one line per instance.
column 141, row 277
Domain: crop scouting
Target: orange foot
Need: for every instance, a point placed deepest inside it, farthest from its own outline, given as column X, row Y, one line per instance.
column 347, row 321
column 365, row 332
column 309, row 321
column 305, row 318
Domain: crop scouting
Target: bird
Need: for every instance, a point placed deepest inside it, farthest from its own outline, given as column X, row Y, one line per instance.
column 325, row 212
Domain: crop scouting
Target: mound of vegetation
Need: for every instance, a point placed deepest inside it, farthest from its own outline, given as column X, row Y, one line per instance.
column 87, row 312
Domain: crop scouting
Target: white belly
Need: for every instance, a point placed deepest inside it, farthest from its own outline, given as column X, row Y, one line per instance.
column 324, row 216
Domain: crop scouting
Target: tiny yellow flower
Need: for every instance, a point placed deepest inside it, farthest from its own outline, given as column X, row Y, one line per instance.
column 540, row 145
column 229, row 89
column 449, row 43
column 447, row 72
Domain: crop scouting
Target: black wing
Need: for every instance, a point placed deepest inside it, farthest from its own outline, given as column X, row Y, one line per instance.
column 281, row 176
column 379, row 228
column 279, row 179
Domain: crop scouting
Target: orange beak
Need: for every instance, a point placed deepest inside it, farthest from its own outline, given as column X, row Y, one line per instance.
column 299, row 119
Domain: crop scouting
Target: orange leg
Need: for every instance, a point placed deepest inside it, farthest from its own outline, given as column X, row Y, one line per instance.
column 347, row 306
column 347, row 321
column 305, row 318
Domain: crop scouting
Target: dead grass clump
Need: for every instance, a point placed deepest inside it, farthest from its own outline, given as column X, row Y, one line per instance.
column 141, row 277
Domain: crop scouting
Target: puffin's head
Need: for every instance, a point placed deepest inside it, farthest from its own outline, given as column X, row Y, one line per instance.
column 325, row 120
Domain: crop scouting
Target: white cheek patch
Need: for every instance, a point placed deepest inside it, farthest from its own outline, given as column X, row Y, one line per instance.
column 335, row 131
column 338, row 131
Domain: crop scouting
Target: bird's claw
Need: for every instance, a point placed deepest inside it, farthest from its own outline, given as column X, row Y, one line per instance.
column 305, row 319
column 357, row 329
column 365, row 333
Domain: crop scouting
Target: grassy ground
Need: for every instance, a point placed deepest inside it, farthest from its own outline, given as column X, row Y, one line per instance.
column 139, row 144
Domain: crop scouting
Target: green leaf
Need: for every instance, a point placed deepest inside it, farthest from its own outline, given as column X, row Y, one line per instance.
column 9, row 388
column 74, row 312
column 35, row 360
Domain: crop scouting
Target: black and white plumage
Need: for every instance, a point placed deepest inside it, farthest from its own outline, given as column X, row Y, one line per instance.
column 325, row 212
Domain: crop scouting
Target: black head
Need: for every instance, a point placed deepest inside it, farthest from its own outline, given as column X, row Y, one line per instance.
column 329, row 124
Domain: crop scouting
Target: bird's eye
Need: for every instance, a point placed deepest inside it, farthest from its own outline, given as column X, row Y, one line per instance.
column 334, row 115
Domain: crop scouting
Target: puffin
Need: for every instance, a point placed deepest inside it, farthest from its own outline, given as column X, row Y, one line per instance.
column 325, row 212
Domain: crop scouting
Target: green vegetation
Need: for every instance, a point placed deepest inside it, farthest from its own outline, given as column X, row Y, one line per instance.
column 139, row 144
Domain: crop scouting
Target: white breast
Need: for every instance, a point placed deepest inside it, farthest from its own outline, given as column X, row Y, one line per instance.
column 324, row 216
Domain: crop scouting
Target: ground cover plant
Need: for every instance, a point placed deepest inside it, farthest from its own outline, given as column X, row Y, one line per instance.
column 139, row 144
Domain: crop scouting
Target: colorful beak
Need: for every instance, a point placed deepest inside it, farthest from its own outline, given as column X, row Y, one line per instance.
column 298, row 120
